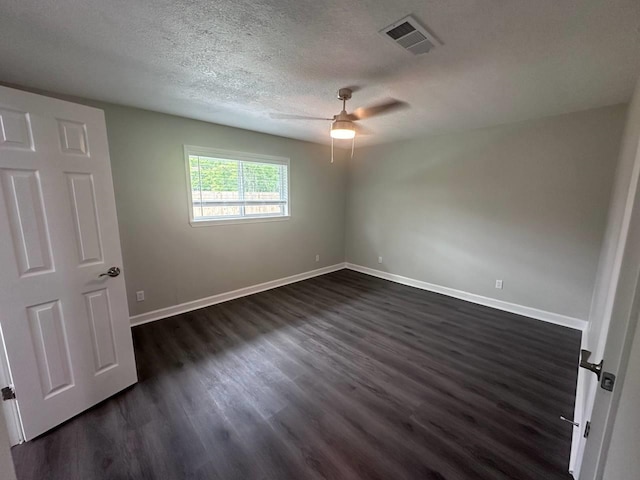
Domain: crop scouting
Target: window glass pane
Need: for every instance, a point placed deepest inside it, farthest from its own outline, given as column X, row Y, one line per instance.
column 219, row 179
column 261, row 181
column 194, row 169
column 193, row 166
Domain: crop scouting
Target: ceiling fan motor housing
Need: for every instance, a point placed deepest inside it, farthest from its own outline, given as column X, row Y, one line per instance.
column 342, row 125
column 345, row 94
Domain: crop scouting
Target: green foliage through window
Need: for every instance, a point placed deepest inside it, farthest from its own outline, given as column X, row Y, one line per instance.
column 218, row 175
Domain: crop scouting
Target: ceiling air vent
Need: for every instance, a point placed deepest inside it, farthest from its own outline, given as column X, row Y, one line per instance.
column 410, row 35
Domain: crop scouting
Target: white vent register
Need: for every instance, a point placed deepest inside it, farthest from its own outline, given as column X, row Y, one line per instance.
column 410, row 35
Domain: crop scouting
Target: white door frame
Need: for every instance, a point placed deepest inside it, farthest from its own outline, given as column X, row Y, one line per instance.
column 620, row 317
column 596, row 448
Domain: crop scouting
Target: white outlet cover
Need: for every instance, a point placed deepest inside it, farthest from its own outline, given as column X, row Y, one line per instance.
column 317, row 258
column 379, row 259
column 499, row 284
column 140, row 296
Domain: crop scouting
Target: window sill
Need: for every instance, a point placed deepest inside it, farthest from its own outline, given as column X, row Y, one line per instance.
column 236, row 221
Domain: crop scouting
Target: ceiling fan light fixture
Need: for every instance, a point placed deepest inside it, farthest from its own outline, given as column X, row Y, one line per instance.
column 343, row 129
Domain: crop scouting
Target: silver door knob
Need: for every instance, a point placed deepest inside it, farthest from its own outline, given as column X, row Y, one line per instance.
column 112, row 272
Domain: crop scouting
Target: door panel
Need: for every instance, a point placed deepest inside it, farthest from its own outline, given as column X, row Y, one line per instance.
column 51, row 347
column 65, row 328
column 85, row 215
column 23, row 199
column 101, row 322
column 15, row 130
column 73, row 137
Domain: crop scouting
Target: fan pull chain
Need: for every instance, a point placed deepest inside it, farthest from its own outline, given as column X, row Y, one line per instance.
column 353, row 145
column 331, row 149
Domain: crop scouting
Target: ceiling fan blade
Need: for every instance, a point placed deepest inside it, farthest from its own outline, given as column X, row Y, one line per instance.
column 284, row 116
column 381, row 108
column 360, row 130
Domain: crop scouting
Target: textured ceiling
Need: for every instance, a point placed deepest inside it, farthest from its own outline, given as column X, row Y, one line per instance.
column 235, row 61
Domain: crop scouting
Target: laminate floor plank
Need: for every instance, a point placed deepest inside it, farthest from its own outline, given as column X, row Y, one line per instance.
column 339, row 377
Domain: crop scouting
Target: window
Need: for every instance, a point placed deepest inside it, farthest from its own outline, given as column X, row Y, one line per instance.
column 231, row 187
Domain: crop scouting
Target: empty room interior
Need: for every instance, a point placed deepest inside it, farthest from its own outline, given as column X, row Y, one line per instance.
column 320, row 239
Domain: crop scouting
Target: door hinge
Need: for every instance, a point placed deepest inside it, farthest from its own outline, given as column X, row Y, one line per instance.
column 8, row 393
column 587, row 429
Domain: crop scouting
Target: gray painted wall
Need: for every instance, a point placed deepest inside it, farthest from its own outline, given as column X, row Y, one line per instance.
column 174, row 262
column 525, row 203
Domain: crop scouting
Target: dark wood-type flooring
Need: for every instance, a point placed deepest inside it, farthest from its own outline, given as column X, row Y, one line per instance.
column 343, row 376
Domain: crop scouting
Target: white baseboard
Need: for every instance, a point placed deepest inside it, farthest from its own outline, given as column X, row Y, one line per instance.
column 224, row 297
column 556, row 318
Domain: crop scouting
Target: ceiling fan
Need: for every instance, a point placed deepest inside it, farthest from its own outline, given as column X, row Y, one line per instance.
column 343, row 125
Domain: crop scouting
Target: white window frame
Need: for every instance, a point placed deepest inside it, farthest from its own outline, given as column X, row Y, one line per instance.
column 238, row 156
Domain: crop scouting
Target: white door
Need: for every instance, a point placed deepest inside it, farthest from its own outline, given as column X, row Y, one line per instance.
column 614, row 309
column 65, row 327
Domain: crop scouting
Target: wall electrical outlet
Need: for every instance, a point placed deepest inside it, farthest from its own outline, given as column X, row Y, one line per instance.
column 317, row 258
column 140, row 296
column 379, row 259
column 499, row 284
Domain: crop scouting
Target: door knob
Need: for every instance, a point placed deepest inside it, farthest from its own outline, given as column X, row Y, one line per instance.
column 112, row 272
column 593, row 367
